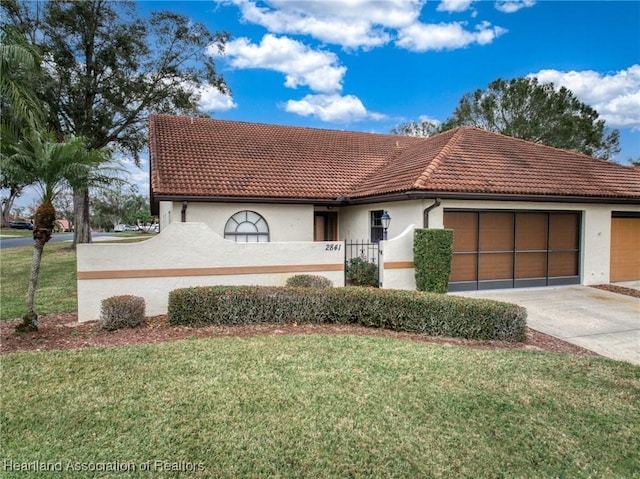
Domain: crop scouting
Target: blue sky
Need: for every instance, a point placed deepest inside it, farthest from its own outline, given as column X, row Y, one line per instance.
column 368, row 65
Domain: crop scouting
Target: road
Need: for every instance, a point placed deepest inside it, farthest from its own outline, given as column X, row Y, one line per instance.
column 28, row 241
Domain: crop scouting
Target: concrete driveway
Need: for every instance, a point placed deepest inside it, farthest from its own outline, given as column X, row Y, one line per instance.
column 604, row 322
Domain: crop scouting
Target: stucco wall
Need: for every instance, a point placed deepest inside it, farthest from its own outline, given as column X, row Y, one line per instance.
column 397, row 270
column 191, row 254
column 286, row 222
column 295, row 223
column 355, row 222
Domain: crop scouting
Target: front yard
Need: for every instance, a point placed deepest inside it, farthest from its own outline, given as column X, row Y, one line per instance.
column 320, row 406
column 260, row 401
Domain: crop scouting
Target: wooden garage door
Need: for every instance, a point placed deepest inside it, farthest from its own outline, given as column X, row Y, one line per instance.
column 625, row 249
column 513, row 249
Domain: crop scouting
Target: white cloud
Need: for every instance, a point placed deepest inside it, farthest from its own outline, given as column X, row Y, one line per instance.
column 615, row 96
column 427, row 118
column 332, row 108
column 367, row 24
column 350, row 23
column 454, row 5
column 512, row 6
column 301, row 65
column 212, row 100
column 421, row 37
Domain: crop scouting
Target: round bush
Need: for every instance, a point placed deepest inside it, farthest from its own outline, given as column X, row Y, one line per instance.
column 124, row 311
column 309, row 281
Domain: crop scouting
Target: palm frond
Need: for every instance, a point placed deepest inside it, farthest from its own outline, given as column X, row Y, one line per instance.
column 19, row 64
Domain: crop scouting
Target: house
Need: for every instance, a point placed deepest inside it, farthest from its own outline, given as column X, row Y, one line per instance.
column 64, row 225
column 523, row 214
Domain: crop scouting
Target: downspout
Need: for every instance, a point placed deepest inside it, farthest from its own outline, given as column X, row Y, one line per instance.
column 183, row 213
column 425, row 214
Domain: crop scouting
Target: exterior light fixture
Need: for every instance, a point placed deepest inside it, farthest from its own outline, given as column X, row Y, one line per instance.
column 385, row 219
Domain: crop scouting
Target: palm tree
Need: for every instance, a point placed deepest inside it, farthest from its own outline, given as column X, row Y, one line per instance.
column 50, row 166
column 20, row 109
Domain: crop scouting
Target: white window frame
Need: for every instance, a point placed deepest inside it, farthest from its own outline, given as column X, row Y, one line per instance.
column 247, row 226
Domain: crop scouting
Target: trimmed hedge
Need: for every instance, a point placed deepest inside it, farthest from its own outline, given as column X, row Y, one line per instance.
column 426, row 313
column 309, row 281
column 432, row 254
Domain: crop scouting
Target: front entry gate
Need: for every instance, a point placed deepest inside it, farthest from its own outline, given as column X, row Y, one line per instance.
column 362, row 263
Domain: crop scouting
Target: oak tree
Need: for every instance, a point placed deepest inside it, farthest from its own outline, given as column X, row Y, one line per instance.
column 537, row 112
column 107, row 69
column 422, row 129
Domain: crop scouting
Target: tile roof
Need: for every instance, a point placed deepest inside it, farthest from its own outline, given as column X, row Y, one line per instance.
column 208, row 158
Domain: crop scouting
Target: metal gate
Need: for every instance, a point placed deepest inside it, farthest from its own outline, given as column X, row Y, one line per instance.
column 361, row 263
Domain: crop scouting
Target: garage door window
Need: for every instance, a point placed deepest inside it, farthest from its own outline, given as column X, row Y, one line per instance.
column 531, row 239
column 465, row 243
column 506, row 249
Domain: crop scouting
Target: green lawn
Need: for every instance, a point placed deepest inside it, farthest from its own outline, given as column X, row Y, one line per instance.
column 10, row 233
column 57, row 287
column 321, row 407
column 315, row 406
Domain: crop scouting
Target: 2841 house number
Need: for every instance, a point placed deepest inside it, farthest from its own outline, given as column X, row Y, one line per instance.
column 333, row 247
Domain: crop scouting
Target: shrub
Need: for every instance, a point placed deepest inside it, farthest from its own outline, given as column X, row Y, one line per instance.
column 309, row 281
column 360, row 272
column 432, row 253
column 413, row 311
column 122, row 312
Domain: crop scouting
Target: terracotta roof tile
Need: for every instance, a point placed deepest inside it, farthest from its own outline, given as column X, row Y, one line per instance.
column 199, row 157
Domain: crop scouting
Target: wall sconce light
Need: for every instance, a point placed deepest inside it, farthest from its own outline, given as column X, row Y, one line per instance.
column 385, row 219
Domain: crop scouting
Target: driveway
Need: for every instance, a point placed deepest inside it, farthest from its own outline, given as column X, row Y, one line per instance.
column 604, row 322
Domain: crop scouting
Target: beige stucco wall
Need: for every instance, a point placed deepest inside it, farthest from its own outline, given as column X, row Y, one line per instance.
column 355, row 221
column 191, row 254
column 397, row 261
column 295, row 223
column 286, row 222
column 166, row 214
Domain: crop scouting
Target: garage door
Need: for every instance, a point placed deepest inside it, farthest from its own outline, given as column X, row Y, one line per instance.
column 625, row 247
column 513, row 249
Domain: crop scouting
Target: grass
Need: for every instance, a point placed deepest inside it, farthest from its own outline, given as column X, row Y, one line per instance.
column 320, row 406
column 57, row 283
column 316, row 406
column 11, row 232
column 57, row 287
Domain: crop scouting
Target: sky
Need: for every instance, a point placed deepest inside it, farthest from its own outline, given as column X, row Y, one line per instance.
column 369, row 65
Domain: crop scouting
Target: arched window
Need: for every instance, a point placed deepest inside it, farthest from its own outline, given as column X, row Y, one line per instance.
column 247, row 227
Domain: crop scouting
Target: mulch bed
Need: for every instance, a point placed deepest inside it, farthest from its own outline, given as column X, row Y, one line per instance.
column 618, row 289
column 63, row 331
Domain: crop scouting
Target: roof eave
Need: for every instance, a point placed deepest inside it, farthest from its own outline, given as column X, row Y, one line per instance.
column 403, row 196
column 251, row 199
column 457, row 195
